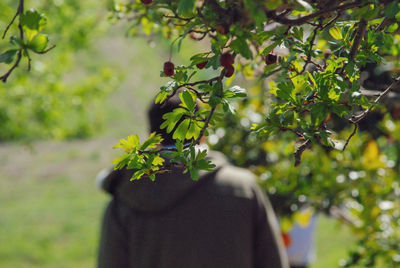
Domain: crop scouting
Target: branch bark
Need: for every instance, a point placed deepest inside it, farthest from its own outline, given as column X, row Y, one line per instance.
column 293, row 22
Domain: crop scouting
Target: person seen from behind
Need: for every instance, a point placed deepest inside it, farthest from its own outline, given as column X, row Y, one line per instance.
column 223, row 220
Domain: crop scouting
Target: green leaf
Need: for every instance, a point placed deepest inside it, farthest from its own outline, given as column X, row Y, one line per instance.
column 38, row 43
column 298, row 33
column 256, row 12
column 271, row 5
column 218, row 89
column 33, row 20
column 392, row 9
column 318, row 113
column 335, row 33
column 185, row 6
column 205, row 165
column 284, row 91
column 165, row 90
column 121, row 161
column 228, row 107
column 137, row 175
column 152, row 142
column 238, row 91
column 8, row 56
column 240, row 46
column 180, row 132
column 179, row 146
column 158, row 161
column 199, row 58
column 194, row 174
column 214, row 100
column 340, row 110
column 135, row 162
column 187, row 100
column 131, row 143
column 193, row 131
column 269, row 48
column 172, row 118
column 161, row 96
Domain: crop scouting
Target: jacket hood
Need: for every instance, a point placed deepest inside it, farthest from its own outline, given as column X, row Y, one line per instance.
column 162, row 194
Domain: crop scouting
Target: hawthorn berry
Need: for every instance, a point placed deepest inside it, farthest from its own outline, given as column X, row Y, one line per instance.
column 169, row 68
column 271, row 59
column 147, row 2
column 202, row 65
column 229, row 70
column 226, row 60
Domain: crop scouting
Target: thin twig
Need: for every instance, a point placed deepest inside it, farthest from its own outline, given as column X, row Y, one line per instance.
column 11, row 23
column 309, row 52
column 351, row 135
column 332, row 21
column 21, row 35
column 46, row 50
column 7, row 74
column 205, row 125
column 178, row 17
column 386, row 21
column 357, row 118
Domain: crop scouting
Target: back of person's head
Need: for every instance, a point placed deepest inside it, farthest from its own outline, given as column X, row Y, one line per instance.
column 155, row 116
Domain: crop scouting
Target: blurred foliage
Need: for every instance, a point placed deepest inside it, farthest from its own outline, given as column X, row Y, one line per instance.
column 62, row 94
column 358, row 186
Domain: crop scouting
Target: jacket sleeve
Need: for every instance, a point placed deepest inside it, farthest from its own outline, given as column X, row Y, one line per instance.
column 269, row 249
column 113, row 248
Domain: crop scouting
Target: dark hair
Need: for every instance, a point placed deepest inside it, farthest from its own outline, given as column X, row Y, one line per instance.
column 156, row 113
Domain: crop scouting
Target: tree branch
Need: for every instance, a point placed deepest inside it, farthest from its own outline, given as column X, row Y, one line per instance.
column 351, row 135
column 299, row 151
column 293, row 22
column 362, row 27
column 357, row 118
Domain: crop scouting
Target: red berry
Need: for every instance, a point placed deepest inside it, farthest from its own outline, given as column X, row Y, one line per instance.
column 271, row 59
column 226, row 60
column 147, row 2
column 169, row 68
column 202, row 65
column 229, row 70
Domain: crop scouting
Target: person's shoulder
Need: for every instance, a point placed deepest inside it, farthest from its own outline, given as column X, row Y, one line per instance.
column 232, row 180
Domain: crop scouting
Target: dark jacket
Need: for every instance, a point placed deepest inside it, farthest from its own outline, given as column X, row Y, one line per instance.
column 221, row 221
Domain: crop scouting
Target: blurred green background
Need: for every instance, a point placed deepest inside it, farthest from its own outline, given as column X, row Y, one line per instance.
column 58, row 124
